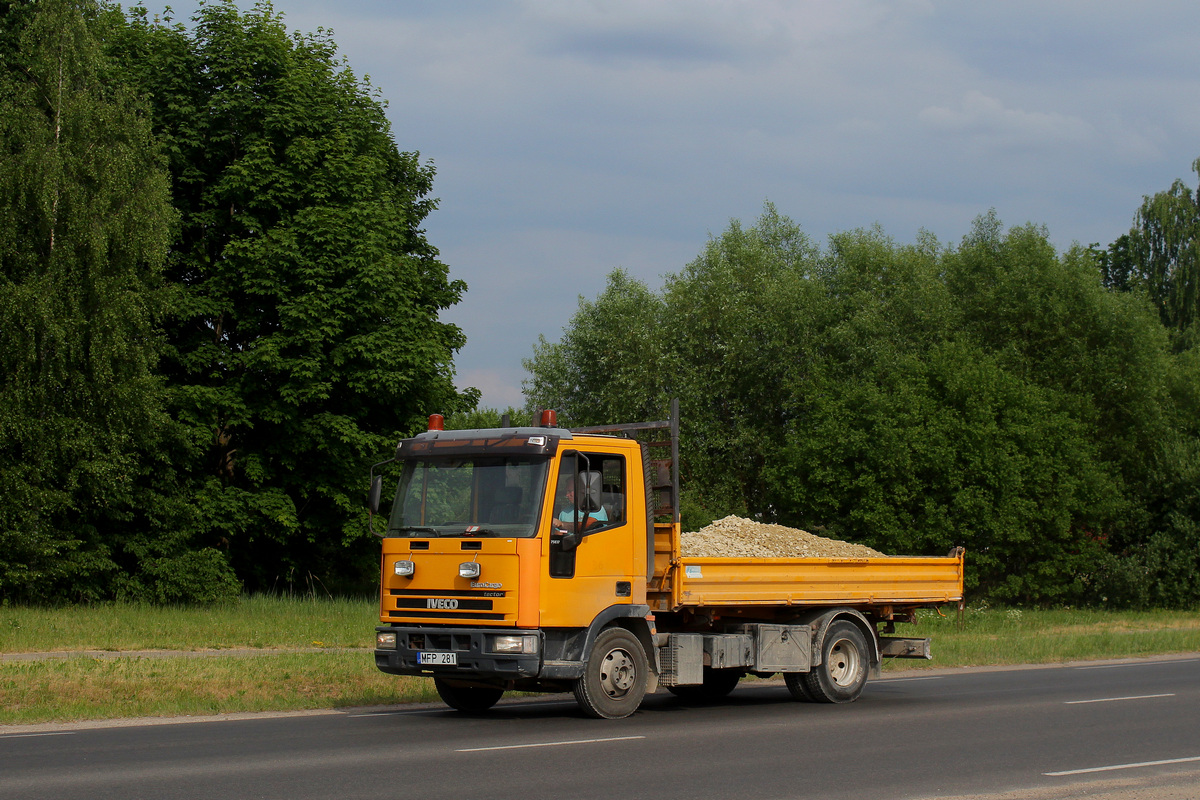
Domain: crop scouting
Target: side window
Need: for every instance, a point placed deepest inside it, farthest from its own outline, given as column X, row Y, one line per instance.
column 589, row 496
column 590, row 491
column 613, row 490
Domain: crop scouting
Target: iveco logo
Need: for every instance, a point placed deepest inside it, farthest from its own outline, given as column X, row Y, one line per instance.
column 441, row 602
column 482, row 585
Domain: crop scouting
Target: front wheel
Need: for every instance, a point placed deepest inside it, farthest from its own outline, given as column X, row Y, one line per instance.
column 467, row 699
column 614, row 680
column 842, row 673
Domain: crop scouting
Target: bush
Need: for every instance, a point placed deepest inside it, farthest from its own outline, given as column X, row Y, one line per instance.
column 199, row 577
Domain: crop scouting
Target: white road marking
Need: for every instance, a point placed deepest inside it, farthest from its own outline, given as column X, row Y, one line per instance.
column 1115, row 699
column 548, row 744
column 1140, row 664
column 30, row 735
column 902, row 680
column 1123, row 766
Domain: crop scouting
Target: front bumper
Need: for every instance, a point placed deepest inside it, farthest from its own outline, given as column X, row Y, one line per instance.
column 468, row 646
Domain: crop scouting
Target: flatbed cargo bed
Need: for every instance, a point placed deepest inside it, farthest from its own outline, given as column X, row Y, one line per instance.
column 688, row 582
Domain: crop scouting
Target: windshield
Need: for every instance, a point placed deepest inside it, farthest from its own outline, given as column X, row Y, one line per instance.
column 469, row 495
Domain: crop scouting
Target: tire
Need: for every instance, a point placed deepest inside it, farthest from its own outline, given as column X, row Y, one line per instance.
column 614, row 680
column 797, row 687
column 467, row 699
column 718, row 683
column 845, row 661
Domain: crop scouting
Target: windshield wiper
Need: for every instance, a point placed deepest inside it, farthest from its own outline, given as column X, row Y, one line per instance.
column 418, row 529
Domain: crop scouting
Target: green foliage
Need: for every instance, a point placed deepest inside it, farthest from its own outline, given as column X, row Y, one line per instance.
column 304, row 337
column 600, row 366
column 191, row 577
column 912, row 397
column 728, row 361
column 84, row 226
column 488, row 418
column 216, row 305
column 1161, row 257
column 1163, row 571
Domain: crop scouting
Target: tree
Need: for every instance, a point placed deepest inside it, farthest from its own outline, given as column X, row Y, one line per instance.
column 916, row 397
column 84, row 226
column 732, row 343
column 603, row 369
column 704, row 339
column 304, row 337
column 489, row 418
column 1161, row 256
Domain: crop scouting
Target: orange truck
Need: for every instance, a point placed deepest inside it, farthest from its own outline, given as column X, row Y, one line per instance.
column 546, row 559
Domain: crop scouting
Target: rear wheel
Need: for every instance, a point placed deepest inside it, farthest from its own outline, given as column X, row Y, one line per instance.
column 718, row 683
column 468, row 699
column 842, row 673
column 798, row 688
column 614, row 680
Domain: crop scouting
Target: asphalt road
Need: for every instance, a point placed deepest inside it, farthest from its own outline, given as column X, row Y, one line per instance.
column 1127, row 729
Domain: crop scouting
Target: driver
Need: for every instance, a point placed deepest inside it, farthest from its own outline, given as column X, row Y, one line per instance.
column 566, row 517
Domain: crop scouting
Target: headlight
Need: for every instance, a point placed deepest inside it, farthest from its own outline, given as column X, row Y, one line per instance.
column 468, row 569
column 385, row 641
column 524, row 643
column 404, row 568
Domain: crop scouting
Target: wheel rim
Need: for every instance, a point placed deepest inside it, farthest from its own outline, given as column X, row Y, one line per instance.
column 618, row 673
column 844, row 663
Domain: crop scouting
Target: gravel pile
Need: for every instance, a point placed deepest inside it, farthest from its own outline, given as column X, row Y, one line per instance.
column 736, row 537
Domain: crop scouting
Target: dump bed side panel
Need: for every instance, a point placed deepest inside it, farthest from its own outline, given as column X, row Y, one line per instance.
column 817, row 581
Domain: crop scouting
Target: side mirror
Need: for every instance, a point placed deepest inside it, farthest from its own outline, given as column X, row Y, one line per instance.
column 570, row 541
column 373, row 503
column 374, row 495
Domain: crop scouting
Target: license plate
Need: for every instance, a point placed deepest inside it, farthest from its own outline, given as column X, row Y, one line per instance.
column 441, row 659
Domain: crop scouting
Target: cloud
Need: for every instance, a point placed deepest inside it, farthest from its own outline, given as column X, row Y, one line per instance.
column 527, row 281
column 573, row 138
column 981, row 117
column 632, row 45
column 501, row 387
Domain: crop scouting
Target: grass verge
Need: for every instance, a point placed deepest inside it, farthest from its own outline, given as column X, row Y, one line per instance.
column 279, row 679
column 258, row 622
column 991, row 637
column 79, row 688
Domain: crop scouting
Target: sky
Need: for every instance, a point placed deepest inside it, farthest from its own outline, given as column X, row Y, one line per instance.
column 574, row 138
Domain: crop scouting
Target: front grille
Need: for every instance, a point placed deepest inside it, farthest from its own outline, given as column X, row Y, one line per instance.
column 447, row 593
column 483, row 605
column 460, row 642
column 410, row 614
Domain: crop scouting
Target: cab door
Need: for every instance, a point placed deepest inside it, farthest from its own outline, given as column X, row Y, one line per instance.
column 589, row 539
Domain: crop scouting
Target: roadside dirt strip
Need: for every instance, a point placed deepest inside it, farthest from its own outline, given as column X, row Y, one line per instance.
column 1175, row 786
column 233, row 651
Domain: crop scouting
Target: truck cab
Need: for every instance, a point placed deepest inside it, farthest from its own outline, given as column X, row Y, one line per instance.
column 505, row 555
